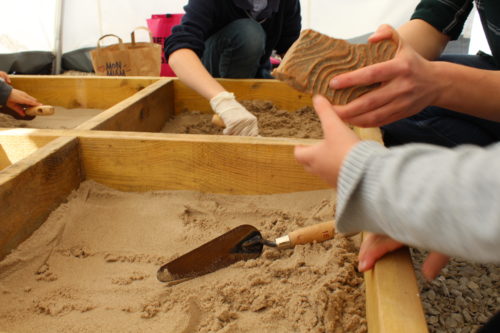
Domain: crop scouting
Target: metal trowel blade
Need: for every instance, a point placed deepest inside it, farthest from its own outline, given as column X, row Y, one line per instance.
column 213, row 255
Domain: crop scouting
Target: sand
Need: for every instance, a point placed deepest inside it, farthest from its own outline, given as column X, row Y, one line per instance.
column 91, row 267
column 273, row 122
column 62, row 118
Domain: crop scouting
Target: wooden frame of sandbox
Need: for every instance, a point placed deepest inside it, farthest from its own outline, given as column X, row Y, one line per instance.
column 39, row 168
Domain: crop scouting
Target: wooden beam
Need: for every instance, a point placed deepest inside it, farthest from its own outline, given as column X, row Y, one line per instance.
column 369, row 133
column 16, row 147
column 281, row 94
column 146, row 111
column 393, row 302
column 392, row 297
column 131, row 161
column 93, row 92
column 5, row 161
column 228, row 165
column 34, row 186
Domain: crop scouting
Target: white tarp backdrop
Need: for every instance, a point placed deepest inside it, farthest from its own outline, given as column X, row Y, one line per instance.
column 27, row 25
column 32, row 25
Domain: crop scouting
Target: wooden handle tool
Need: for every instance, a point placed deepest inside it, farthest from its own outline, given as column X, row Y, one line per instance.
column 217, row 121
column 41, row 110
column 318, row 232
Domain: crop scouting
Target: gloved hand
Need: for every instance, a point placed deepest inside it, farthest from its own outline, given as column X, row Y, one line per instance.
column 237, row 119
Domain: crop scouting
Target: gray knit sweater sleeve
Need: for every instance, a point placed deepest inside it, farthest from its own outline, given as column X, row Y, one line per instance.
column 5, row 91
column 445, row 200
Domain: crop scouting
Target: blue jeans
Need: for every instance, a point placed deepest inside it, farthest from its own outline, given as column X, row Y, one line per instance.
column 445, row 127
column 236, row 50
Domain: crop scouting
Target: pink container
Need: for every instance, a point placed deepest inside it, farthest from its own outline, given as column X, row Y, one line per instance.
column 161, row 27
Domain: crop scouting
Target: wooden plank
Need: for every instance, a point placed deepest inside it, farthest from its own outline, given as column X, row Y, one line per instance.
column 392, row 298
column 369, row 133
column 281, row 94
column 131, row 161
column 16, row 147
column 228, row 165
column 393, row 302
column 33, row 187
column 4, row 158
column 145, row 111
column 93, row 92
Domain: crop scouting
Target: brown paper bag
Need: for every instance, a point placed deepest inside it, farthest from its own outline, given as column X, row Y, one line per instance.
column 127, row 59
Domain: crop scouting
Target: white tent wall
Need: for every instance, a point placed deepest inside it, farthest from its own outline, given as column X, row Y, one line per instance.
column 29, row 25
column 478, row 40
column 351, row 18
column 86, row 21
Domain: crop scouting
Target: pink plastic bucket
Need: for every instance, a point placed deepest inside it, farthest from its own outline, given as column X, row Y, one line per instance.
column 161, row 27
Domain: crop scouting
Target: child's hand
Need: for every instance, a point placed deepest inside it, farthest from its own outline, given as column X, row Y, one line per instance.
column 18, row 99
column 325, row 158
column 376, row 246
column 4, row 76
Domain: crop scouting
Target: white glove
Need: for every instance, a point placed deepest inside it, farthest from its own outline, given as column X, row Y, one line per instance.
column 237, row 119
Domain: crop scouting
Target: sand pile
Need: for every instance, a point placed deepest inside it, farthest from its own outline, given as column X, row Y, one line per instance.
column 462, row 298
column 91, row 267
column 273, row 122
column 62, row 118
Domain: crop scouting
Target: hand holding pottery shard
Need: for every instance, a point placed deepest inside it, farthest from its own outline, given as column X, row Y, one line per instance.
column 314, row 59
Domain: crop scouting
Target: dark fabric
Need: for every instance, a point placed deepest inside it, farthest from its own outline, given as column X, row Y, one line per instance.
column 29, row 62
column 444, row 127
column 272, row 7
column 14, row 114
column 492, row 326
column 5, row 90
column 235, row 51
column 78, row 60
column 449, row 17
column 204, row 18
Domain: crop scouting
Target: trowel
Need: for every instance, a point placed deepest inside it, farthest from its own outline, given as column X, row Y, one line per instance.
column 30, row 112
column 241, row 243
column 40, row 110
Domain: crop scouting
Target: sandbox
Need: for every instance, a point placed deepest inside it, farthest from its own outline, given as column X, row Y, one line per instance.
column 55, row 163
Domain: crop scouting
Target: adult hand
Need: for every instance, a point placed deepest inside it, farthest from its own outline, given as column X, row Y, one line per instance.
column 408, row 84
column 376, row 246
column 19, row 99
column 237, row 119
column 5, row 77
column 325, row 158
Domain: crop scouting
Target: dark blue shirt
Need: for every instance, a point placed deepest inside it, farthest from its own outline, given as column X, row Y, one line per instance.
column 5, row 91
column 449, row 18
column 203, row 18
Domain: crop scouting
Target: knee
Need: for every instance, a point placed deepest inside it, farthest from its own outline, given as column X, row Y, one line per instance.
column 249, row 37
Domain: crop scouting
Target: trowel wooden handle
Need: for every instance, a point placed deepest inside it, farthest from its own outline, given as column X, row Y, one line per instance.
column 217, row 121
column 41, row 110
column 317, row 232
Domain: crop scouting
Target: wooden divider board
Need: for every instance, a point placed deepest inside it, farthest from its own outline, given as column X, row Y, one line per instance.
column 17, row 146
column 392, row 297
column 152, row 161
column 146, row 111
column 33, row 187
column 281, row 94
column 130, row 161
column 92, row 92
